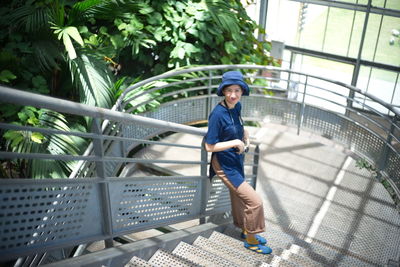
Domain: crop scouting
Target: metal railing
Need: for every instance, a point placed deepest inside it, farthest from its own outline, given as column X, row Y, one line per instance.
column 47, row 214
column 59, row 213
column 361, row 122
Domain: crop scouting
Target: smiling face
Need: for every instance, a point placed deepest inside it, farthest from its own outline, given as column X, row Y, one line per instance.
column 232, row 94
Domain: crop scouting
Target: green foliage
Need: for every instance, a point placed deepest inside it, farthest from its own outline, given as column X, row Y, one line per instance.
column 78, row 49
column 364, row 164
column 36, row 142
column 6, row 76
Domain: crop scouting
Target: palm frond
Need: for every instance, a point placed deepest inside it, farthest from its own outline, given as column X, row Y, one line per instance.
column 93, row 80
column 55, row 144
column 223, row 14
column 31, row 18
column 104, row 9
column 46, row 53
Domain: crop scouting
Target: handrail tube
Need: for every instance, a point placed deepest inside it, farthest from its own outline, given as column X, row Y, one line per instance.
column 144, row 92
column 378, row 124
column 243, row 66
column 16, row 155
column 60, row 105
column 165, row 95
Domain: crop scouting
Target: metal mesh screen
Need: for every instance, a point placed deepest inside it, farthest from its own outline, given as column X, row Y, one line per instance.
column 182, row 111
column 148, row 202
column 36, row 215
column 219, row 199
column 393, row 167
column 365, row 142
column 278, row 110
column 328, row 124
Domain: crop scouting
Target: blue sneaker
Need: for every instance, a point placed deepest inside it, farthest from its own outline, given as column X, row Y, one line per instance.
column 258, row 248
column 261, row 240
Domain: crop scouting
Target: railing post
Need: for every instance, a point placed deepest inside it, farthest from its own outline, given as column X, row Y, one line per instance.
column 302, row 107
column 209, row 94
column 205, row 188
column 98, row 149
column 256, row 159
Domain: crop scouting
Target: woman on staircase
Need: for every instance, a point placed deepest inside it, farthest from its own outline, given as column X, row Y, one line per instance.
column 228, row 140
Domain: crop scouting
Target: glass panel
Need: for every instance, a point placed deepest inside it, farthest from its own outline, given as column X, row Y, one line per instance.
column 371, row 37
column 378, row 3
column 355, row 40
column 396, row 95
column 286, row 59
column 328, row 69
column 324, row 68
column 393, row 4
column 363, row 78
column 360, row 2
column 338, row 31
column 382, row 84
column 282, row 19
column 386, row 53
column 312, row 27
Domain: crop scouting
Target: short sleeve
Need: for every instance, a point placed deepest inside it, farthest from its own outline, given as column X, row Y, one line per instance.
column 214, row 124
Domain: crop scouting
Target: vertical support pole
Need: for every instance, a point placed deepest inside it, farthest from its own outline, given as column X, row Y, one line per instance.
column 256, row 159
column 205, row 189
column 209, row 94
column 262, row 19
column 302, row 107
column 104, row 188
column 356, row 71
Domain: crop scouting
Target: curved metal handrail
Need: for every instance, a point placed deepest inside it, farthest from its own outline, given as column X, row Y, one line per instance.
column 254, row 67
column 383, row 125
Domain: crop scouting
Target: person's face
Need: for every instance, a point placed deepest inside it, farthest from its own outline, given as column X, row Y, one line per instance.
column 232, row 94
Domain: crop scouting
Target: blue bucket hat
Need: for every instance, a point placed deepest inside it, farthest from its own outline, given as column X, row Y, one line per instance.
column 230, row 78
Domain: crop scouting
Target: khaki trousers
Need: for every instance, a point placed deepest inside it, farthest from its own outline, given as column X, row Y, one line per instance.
column 247, row 206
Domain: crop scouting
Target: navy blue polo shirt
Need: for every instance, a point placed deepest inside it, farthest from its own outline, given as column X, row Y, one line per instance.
column 222, row 127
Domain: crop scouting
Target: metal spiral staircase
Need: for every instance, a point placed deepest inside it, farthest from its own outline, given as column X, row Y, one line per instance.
column 141, row 172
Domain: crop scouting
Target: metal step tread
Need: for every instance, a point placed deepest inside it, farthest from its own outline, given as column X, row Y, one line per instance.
column 164, row 258
column 279, row 248
column 273, row 258
column 200, row 256
column 138, row 262
column 317, row 251
column 344, row 222
column 344, row 242
column 226, row 252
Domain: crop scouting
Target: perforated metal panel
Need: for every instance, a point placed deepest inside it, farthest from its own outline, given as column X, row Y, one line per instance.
column 226, row 252
column 164, row 258
column 40, row 215
column 182, row 111
column 328, row 124
column 277, row 110
column 199, row 256
column 138, row 262
column 393, row 167
column 149, row 202
column 219, row 199
column 366, row 143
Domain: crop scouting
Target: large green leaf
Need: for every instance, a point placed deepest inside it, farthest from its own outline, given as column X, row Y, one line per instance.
column 93, row 80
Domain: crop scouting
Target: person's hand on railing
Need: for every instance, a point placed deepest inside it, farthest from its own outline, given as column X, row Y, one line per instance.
column 240, row 146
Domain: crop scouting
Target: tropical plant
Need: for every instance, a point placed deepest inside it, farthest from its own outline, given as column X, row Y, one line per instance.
column 77, row 49
column 24, row 141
